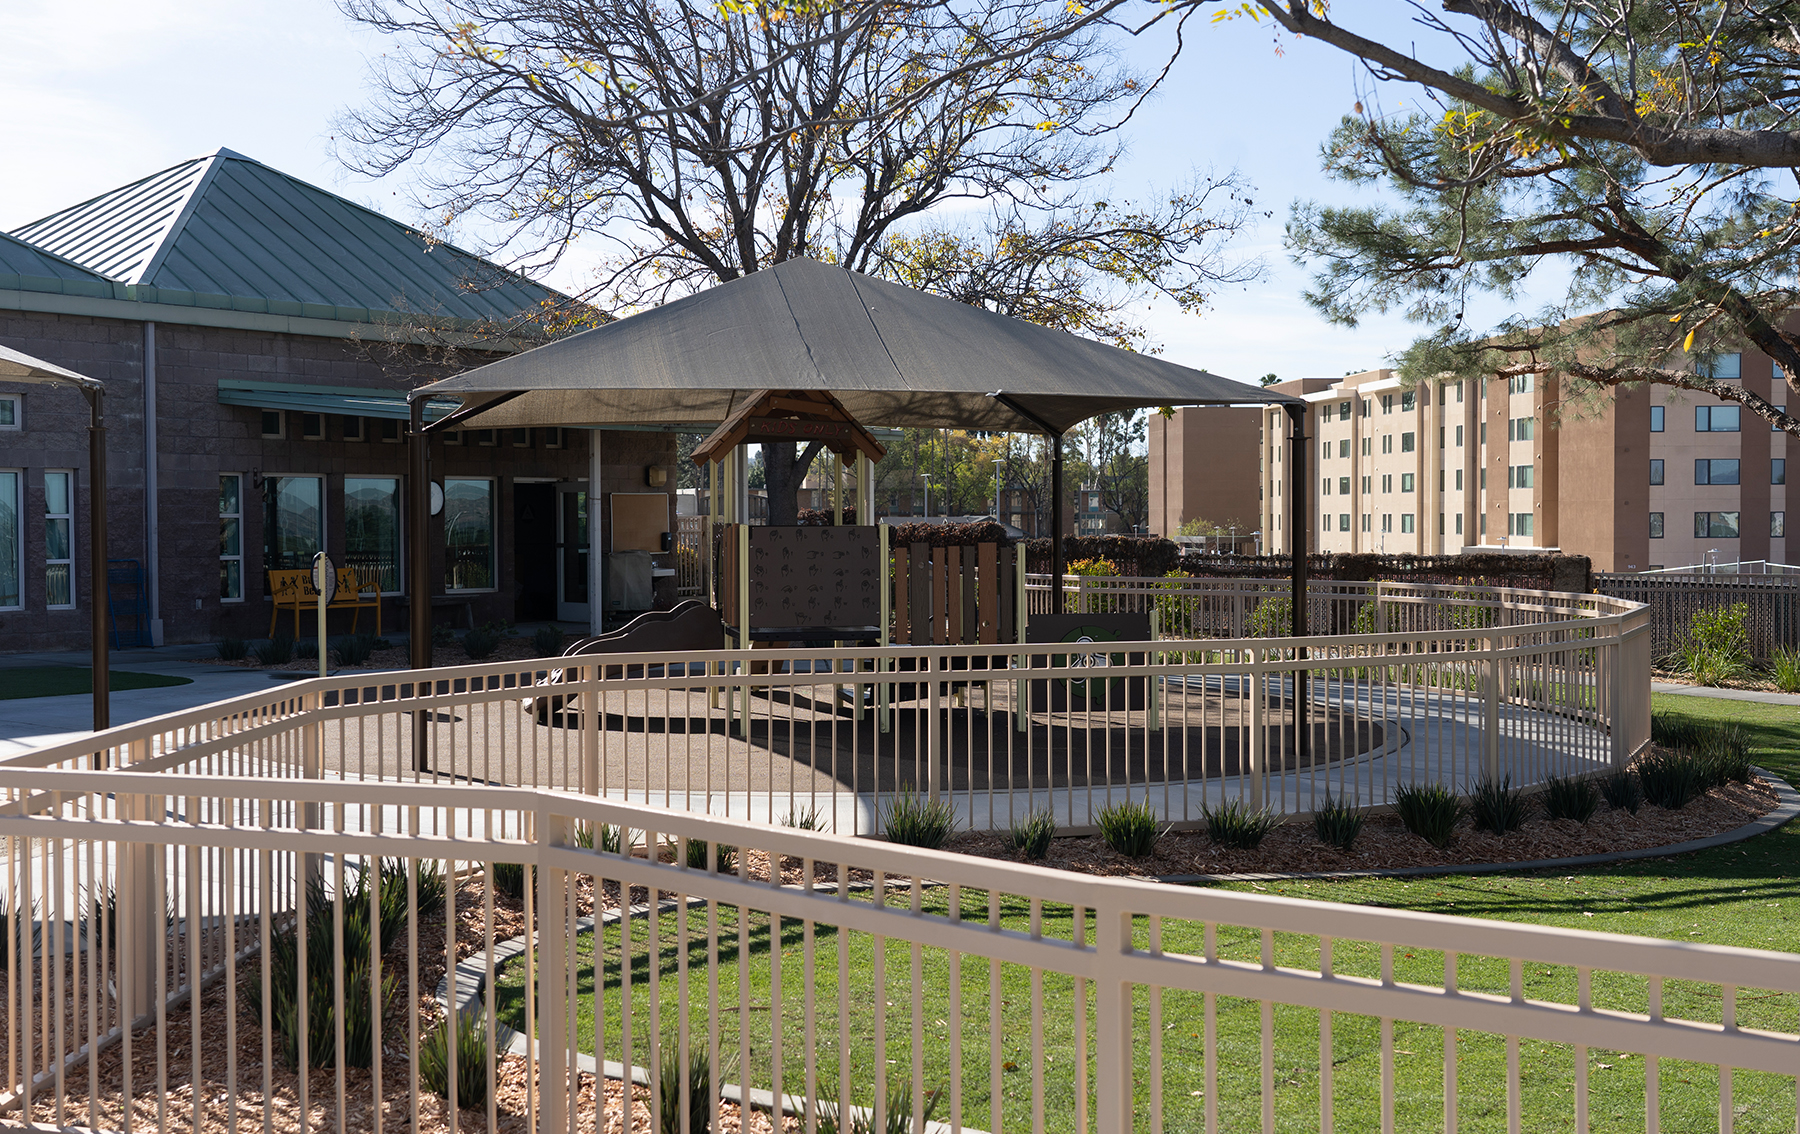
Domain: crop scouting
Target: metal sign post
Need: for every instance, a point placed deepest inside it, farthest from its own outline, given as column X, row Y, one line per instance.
column 324, row 581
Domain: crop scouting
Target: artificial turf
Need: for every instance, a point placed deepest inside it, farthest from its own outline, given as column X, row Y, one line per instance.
column 68, row 680
column 1745, row 895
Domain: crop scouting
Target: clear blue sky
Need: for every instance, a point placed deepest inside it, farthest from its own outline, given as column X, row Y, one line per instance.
column 132, row 87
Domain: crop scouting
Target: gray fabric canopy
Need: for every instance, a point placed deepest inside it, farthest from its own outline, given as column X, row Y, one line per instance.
column 893, row 356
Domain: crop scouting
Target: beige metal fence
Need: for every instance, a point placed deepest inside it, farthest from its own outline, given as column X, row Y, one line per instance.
column 164, row 972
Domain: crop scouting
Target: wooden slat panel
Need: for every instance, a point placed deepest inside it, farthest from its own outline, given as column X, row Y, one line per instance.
column 953, row 606
column 1009, row 594
column 988, row 606
column 940, row 596
column 920, row 582
column 970, row 623
column 902, row 628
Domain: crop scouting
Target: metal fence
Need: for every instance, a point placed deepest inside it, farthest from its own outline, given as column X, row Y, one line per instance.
column 1454, row 686
column 191, row 952
column 1673, row 600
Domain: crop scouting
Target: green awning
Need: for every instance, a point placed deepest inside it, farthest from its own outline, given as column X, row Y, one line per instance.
column 351, row 401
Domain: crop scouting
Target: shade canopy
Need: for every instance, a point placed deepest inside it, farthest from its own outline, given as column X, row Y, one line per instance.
column 17, row 366
column 893, row 357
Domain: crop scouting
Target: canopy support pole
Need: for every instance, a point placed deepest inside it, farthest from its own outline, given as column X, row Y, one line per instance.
column 1056, row 490
column 1299, row 524
column 418, row 570
column 102, row 604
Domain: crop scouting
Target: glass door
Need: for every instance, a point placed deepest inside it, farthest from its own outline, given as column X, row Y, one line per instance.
column 571, row 553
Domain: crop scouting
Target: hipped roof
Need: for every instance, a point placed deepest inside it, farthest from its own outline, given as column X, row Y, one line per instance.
column 893, row 356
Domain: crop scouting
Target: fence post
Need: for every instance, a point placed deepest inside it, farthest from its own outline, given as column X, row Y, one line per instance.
column 934, row 732
column 1492, row 676
column 138, row 921
column 552, row 993
column 1113, row 1045
column 1153, row 689
column 590, row 736
column 312, row 764
column 1256, row 740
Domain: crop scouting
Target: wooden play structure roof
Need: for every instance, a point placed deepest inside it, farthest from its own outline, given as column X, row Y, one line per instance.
column 791, row 415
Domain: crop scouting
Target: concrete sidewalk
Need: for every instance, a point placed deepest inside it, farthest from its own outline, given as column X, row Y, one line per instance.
column 1760, row 696
column 33, row 722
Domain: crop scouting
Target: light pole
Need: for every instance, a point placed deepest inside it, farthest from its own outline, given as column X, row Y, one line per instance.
column 927, row 477
column 1257, row 536
column 1234, row 543
column 997, row 515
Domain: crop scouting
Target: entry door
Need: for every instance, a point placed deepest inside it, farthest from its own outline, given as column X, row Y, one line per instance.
column 571, row 553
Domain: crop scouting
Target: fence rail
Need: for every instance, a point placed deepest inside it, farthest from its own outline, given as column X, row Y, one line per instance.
column 1673, row 600
column 1447, row 686
column 164, row 972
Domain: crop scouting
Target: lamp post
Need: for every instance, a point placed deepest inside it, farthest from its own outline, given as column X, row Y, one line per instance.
column 927, row 477
column 997, row 516
column 1234, row 546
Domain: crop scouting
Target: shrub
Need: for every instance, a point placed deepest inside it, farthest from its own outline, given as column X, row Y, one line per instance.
column 899, row 1112
column 1678, row 734
column 480, row 642
column 809, row 820
column 354, row 649
column 914, row 821
column 1784, row 668
column 471, row 1059
column 443, row 636
column 1570, row 797
column 361, row 1015
column 724, row 857
column 1272, row 618
column 697, row 1103
column 510, row 879
column 1031, row 837
column 1496, row 806
column 1724, row 756
column 548, row 641
column 234, row 649
column 1669, row 780
column 278, row 650
column 1338, row 823
column 1621, row 791
column 1234, row 825
column 1096, row 603
column 1429, row 811
column 1132, row 829
column 1717, row 646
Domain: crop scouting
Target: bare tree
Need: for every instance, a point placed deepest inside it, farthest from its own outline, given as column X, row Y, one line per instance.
column 696, row 143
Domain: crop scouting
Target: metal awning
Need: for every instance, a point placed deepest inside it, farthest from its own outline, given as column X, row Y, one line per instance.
column 351, row 401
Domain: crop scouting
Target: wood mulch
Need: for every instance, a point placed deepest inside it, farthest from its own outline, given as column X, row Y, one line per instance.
column 1385, row 844
column 511, row 648
column 1757, row 682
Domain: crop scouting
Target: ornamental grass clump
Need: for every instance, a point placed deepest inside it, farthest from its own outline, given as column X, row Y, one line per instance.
column 510, row 879
column 278, row 650
column 1784, row 669
column 471, row 1059
column 233, row 649
column 1724, row 756
column 914, row 821
column 1232, row 824
column 1132, row 829
column 862, row 1121
column 1570, row 797
column 548, row 641
column 1031, row 836
column 1669, row 779
column 1621, row 791
column 354, row 649
column 1429, row 811
column 689, row 1111
column 812, row 819
column 1337, row 823
column 1495, row 806
column 724, row 856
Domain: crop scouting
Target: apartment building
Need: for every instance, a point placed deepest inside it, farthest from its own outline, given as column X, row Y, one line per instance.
column 1203, row 465
column 1635, row 479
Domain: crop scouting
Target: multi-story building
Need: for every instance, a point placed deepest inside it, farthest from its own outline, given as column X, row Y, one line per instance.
column 1633, row 478
column 1203, row 466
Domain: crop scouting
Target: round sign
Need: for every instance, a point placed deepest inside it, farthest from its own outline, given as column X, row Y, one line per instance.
column 324, row 576
column 437, row 498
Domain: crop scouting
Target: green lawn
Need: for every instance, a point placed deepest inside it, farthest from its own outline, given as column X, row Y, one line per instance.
column 68, row 680
column 1741, row 895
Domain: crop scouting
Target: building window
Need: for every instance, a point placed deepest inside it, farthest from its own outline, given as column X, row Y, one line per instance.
column 1775, row 426
column 1716, row 419
column 1778, row 471
column 1483, row 478
column 1343, row 411
column 1459, row 391
column 468, row 534
column 12, row 540
column 1656, row 419
column 1387, row 442
column 1519, row 524
column 1716, row 472
column 553, row 439
column 1406, row 442
column 1343, row 521
column 521, row 438
column 1523, row 476
column 372, row 531
column 353, row 429
column 1343, row 486
column 1387, row 521
column 1326, row 523
column 293, row 522
column 1387, row 482
column 452, row 437
column 1727, row 366
column 1365, row 447
column 484, row 436
column 1777, row 525
column 1365, row 521
column 1387, row 403
column 312, row 426
column 59, row 540
column 1715, row 525
column 1406, row 482
column 1344, row 447
column 1521, row 428
column 1459, row 480
column 1459, row 522
column 1656, row 470
column 12, row 414
column 1519, row 384
column 231, row 537
column 1408, row 400
column 1325, row 451
column 1367, row 407
column 390, row 431
column 1440, row 523
column 1656, row 525
column 274, row 424
column 1483, row 523
column 1366, row 487
column 1325, row 490
column 1406, row 522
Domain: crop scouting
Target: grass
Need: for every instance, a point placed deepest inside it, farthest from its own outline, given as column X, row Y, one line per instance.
column 69, row 680
column 1744, row 895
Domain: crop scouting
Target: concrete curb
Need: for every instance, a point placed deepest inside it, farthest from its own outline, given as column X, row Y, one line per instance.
column 1787, row 806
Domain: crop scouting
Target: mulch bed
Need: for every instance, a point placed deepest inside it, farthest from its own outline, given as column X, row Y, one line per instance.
column 1385, row 844
column 1756, row 682
column 511, row 648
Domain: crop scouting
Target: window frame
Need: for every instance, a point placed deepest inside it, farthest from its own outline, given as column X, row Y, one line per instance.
column 387, row 423
column 1656, row 525
column 1343, row 521
column 1778, row 470
column 1712, row 368
column 280, row 433
column 65, row 517
column 1657, row 472
column 1778, row 524
column 1712, row 476
column 271, row 531
column 360, row 432
column 1406, row 482
column 1657, row 416
column 18, row 536
column 238, row 518
column 1408, row 442
column 1707, row 413
column 493, row 487
column 1344, row 448
column 17, row 402
column 1706, row 520
column 312, row 426
column 1407, row 523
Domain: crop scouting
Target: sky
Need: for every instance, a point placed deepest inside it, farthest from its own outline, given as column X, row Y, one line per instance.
column 137, row 86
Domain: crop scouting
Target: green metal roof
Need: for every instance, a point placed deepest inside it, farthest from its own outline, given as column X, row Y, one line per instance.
column 21, row 261
column 224, row 231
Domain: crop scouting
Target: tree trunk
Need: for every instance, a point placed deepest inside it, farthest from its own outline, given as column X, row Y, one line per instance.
column 783, row 470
